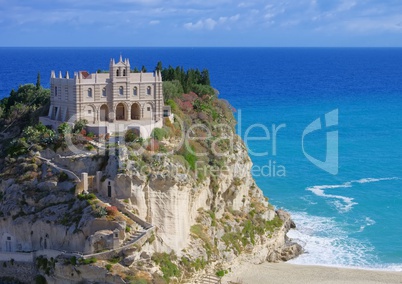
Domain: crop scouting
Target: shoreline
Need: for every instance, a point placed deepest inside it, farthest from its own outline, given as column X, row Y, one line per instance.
column 272, row 273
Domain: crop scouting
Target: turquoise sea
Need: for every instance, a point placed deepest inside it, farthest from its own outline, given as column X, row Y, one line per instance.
column 350, row 219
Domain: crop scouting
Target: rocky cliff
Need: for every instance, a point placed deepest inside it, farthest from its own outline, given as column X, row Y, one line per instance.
column 191, row 181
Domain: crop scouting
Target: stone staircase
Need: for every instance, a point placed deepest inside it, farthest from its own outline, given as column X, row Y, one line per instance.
column 133, row 237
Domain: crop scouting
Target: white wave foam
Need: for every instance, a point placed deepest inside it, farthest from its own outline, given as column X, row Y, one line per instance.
column 343, row 203
column 342, row 207
column 326, row 243
column 369, row 180
column 368, row 222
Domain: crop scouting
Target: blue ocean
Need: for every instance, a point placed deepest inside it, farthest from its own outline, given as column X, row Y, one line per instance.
column 350, row 218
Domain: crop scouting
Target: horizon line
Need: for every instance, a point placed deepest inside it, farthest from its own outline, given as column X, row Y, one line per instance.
column 201, row 47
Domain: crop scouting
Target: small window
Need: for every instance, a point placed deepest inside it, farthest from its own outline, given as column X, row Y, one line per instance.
column 104, row 92
column 124, row 72
column 121, row 91
column 8, row 238
column 118, row 73
column 135, row 91
column 89, row 93
column 89, row 111
column 149, row 91
column 55, row 91
column 165, row 113
column 148, row 108
column 116, row 235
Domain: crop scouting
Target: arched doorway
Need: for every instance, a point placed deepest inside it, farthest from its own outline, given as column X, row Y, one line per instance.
column 135, row 112
column 120, row 112
column 104, row 113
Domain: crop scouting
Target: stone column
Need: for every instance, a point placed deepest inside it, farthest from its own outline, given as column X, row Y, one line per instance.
column 84, row 182
column 98, row 181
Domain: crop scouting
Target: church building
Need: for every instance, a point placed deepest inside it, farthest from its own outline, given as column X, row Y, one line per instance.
column 107, row 98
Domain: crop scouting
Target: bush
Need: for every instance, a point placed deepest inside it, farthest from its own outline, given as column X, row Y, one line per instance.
column 64, row 128
column 40, row 279
column 99, row 212
column 168, row 268
column 112, row 211
column 108, row 267
column 80, row 125
column 153, row 145
column 131, row 135
column 88, row 260
column 63, row 177
column 89, row 196
column 159, row 134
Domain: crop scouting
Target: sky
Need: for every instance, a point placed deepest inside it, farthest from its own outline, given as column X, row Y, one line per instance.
column 276, row 23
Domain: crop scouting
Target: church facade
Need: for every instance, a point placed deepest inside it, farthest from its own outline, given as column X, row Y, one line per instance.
column 103, row 98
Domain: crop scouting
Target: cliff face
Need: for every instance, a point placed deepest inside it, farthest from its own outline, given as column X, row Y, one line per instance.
column 171, row 200
column 215, row 218
column 192, row 183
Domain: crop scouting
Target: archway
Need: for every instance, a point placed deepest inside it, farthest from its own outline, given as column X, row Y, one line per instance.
column 135, row 112
column 104, row 113
column 120, row 112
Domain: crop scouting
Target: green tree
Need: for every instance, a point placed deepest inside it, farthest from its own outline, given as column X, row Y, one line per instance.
column 172, row 89
column 158, row 66
column 38, row 81
column 205, row 77
column 143, row 69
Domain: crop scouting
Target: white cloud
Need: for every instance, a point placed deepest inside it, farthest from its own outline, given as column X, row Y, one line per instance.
column 154, row 22
column 210, row 24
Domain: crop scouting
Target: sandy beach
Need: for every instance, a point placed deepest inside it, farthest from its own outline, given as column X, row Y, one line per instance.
column 289, row 273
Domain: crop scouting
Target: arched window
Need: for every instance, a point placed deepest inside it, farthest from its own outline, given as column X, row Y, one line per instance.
column 149, row 91
column 55, row 91
column 135, row 91
column 121, row 91
column 89, row 93
column 104, row 92
column 118, row 72
column 124, row 72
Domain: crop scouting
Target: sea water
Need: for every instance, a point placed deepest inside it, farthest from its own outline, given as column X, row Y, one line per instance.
column 348, row 219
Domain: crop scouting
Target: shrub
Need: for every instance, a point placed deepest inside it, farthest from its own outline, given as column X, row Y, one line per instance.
column 159, row 134
column 89, row 147
column 88, row 260
column 63, row 177
column 89, row 196
column 153, row 145
column 80, row 125
column 131, row 135
column 99, row 212
column 40, row 279
column 168, row 268
column 112, row 211
column 108, row 267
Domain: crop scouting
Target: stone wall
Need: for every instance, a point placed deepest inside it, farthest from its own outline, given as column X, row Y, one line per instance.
column 22, row 271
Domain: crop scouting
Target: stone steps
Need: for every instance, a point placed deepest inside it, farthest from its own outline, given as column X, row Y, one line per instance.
column 133, row 237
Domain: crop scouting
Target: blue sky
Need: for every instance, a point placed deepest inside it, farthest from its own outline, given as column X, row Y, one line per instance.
column 200, row 23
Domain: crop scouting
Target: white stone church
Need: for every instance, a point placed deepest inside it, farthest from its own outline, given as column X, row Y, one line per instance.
column 113, row 101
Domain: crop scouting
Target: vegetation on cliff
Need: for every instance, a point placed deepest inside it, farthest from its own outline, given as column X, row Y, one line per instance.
column 198, row 148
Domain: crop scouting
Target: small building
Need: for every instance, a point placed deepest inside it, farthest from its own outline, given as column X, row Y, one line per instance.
column 112, row 101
